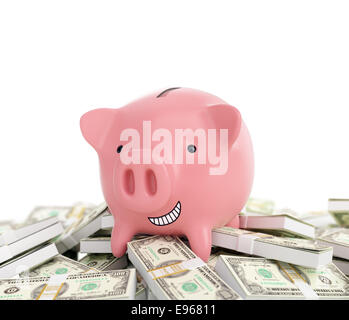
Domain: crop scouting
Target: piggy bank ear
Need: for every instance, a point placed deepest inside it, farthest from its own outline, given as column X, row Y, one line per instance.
column 95, row 126
column 228, row 117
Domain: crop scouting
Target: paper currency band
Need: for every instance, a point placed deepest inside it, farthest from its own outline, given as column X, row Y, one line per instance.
column 297, row 279
column 176, row 268
column 54, row 285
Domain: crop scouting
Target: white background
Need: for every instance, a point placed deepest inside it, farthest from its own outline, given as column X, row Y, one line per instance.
column 283, row 64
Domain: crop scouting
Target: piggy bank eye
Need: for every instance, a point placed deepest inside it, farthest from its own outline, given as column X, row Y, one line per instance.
column 191, row 148
column 118, row 150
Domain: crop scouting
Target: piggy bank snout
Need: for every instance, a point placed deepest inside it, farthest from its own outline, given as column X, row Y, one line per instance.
column 142, row 188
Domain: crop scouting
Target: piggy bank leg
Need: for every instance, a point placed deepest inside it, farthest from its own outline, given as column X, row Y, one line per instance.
column 119, row 238
column 234, row 223
column 200, row 241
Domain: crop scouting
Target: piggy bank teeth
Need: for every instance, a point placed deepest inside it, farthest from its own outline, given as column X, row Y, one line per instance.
column 167, row 218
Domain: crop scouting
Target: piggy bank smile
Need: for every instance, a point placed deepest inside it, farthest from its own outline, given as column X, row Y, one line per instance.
column 174, row 150
column 167, row 218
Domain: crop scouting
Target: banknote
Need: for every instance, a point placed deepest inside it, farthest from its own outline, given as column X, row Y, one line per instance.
column 58, row 265
column 338, row 236
column 153, row 254
column 104, row 261
column 259, row 278
column 301, row 244
column 106, row 285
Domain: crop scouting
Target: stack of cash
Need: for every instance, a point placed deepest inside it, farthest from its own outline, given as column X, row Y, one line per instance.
column 31, row 266
column 338, row 239
column 172, row 271
column 297, row 251
column 278, row 224
column 259, row 278
column 64, row 252
column 27, row 246
column 106, row 285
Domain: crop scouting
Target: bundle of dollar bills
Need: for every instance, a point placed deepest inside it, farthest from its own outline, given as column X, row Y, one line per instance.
column 297, row 251
column 27, row 246
column 28, row 251
column 278, row 224
column 106, row 285
column 259, row 278
column 172, row 271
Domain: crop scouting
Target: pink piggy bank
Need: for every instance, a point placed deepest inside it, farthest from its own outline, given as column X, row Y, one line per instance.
column 176, row 162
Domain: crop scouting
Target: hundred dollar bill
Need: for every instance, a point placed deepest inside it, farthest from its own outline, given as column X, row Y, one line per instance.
column 297, row 251
column 105, row 285
column 338, row 239
column 173, row 272
column 339, row 209
column 104, row 261
column 259, row 278
column 58, row 265
column 260, row 206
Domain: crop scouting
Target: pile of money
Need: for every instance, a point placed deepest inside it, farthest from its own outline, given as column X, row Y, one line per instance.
column 64, row 252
